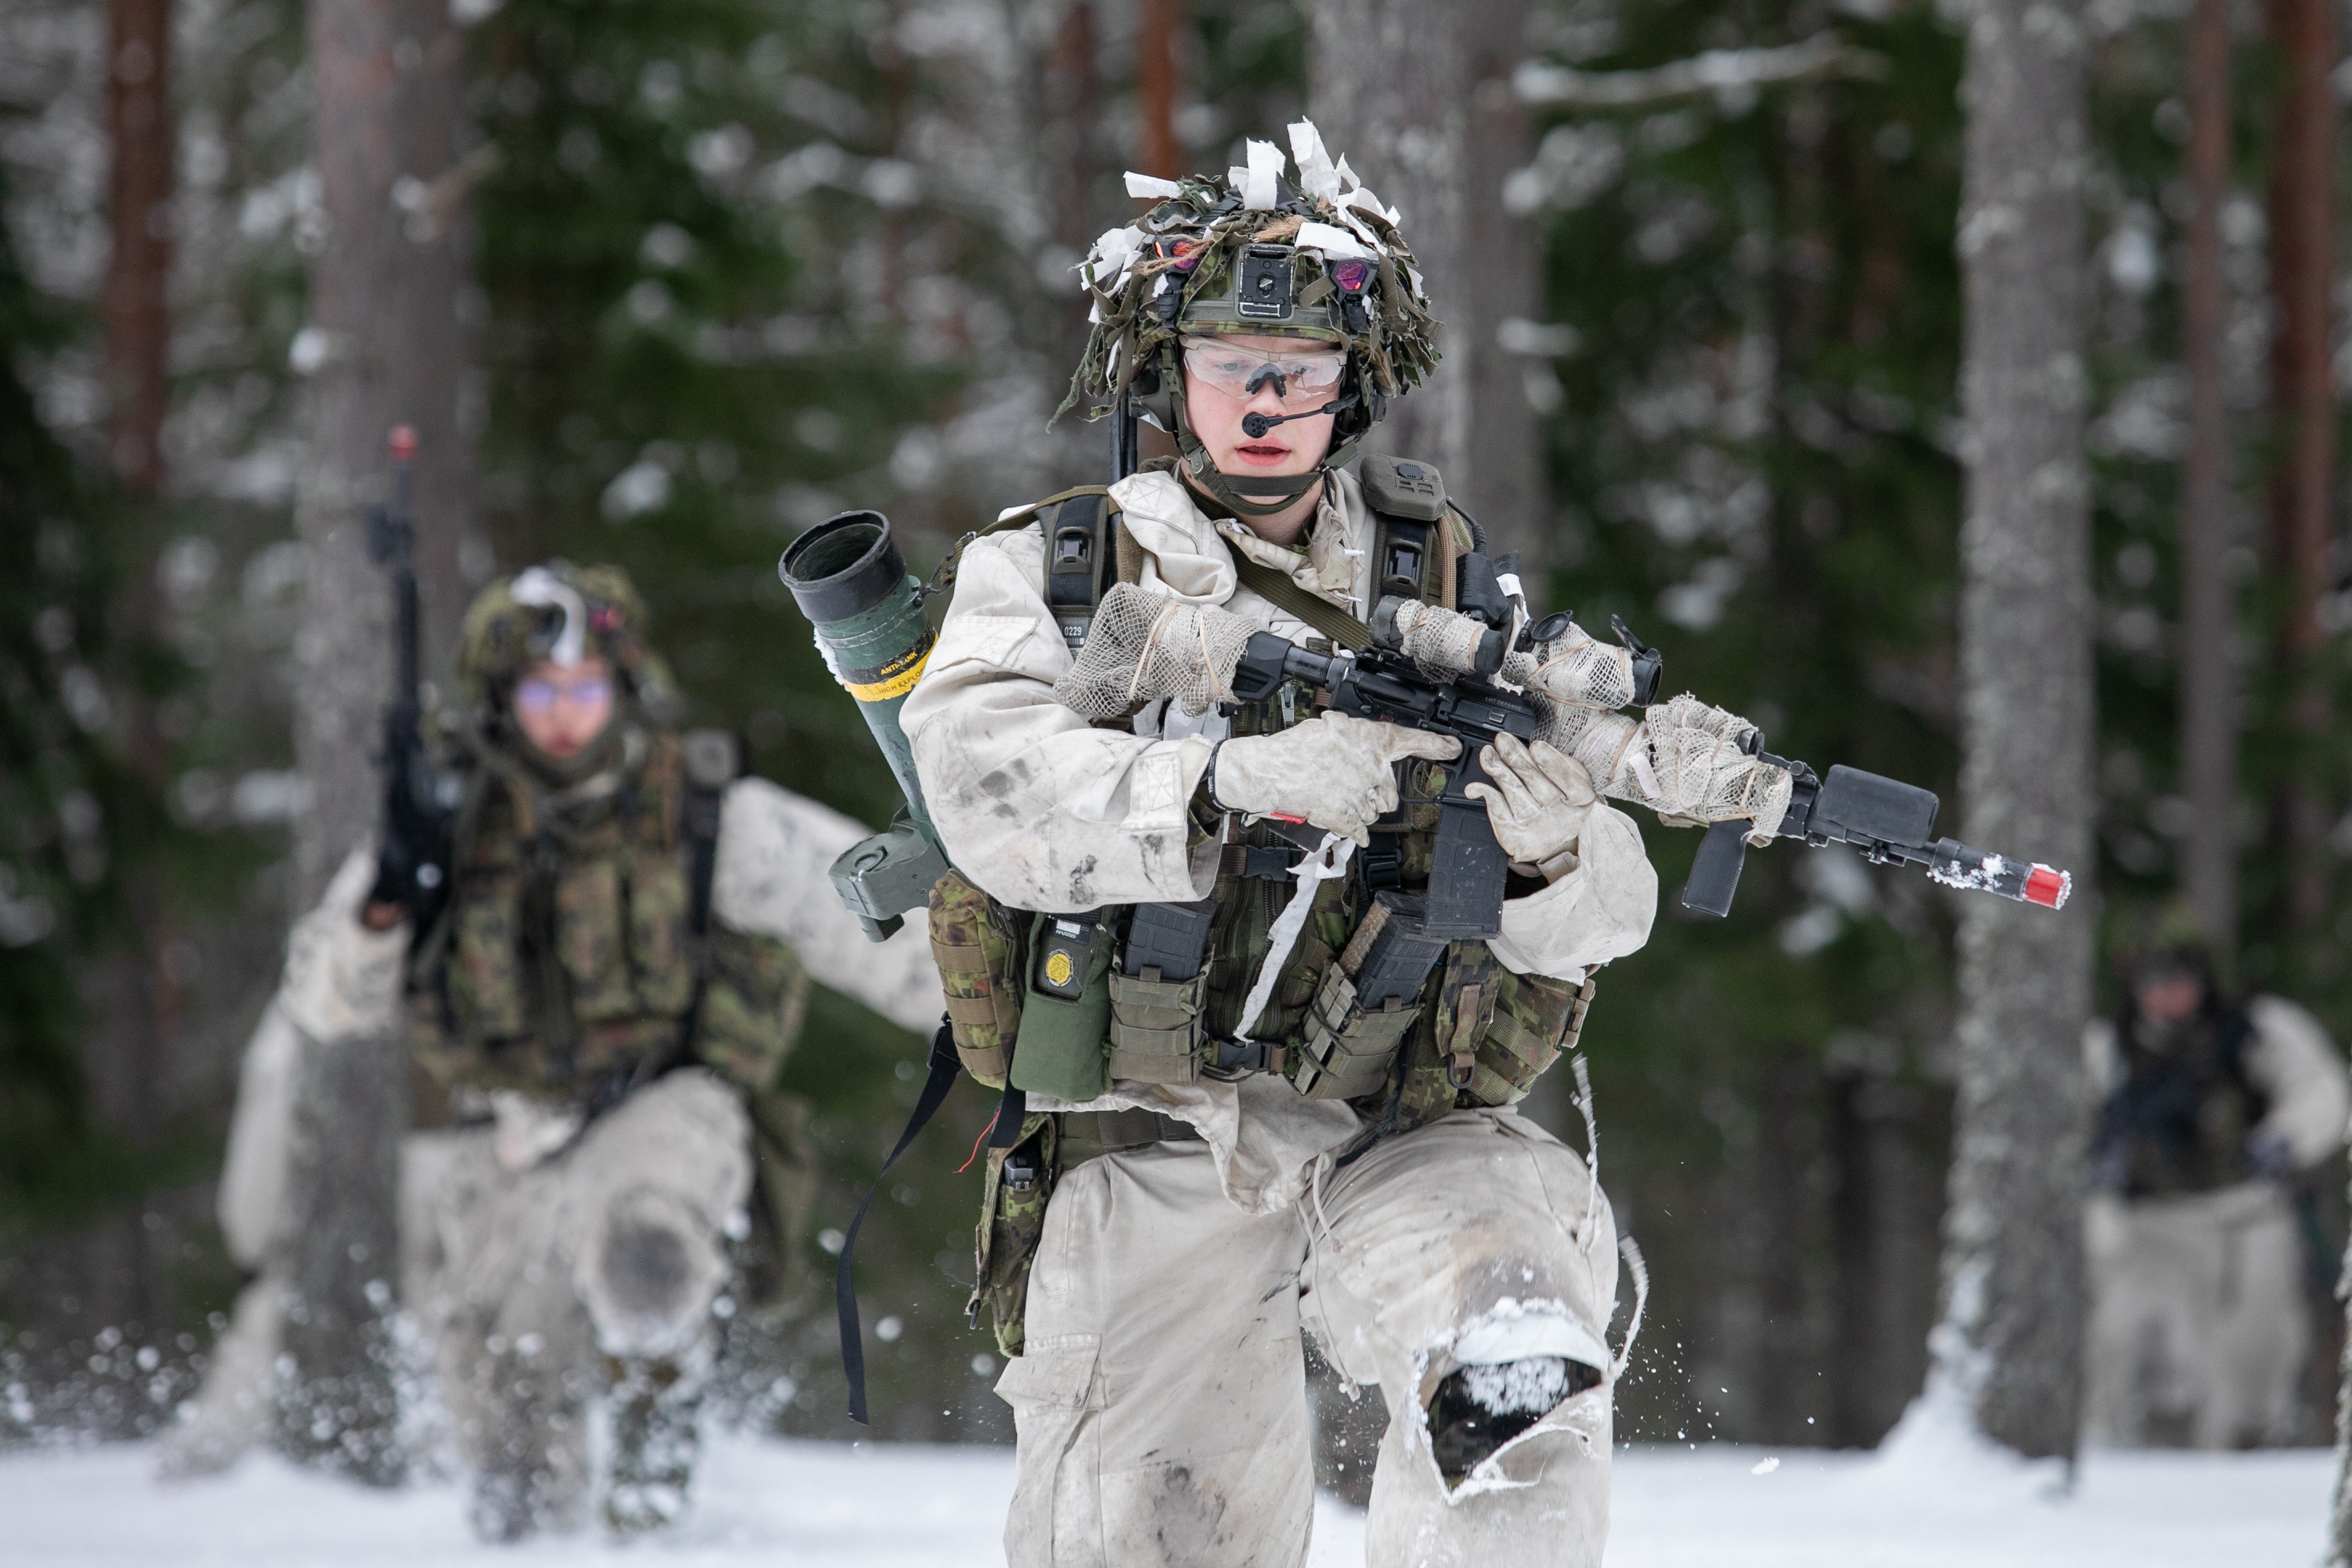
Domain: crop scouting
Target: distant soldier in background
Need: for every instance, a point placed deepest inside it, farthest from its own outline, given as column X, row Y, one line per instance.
column 607, row 994
column 2199, row 1321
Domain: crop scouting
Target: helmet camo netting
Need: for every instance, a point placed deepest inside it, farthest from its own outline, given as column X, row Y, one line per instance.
column 1144, row 646
column 1173, row 271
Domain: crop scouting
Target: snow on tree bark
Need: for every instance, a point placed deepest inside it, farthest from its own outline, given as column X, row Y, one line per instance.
column 387, row 342
column 1417, row 94
column 2010, row 1339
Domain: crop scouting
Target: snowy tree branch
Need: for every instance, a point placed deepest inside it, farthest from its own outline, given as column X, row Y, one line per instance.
column 1731, row 75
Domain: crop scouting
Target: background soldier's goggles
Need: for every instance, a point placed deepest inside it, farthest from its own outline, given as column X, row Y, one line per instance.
column 1238, row 372
column 539, row 695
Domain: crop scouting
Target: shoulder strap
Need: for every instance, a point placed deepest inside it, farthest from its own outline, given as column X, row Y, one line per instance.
column 1283, row 593
column 1023, row 517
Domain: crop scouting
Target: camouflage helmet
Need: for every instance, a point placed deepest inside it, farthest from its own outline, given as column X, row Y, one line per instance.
column 1254, row 253
column 2167, row 940
column 561, row 613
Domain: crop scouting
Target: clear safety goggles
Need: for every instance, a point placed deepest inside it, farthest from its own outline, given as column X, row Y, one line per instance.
column 1301, row 375
column 539, row 695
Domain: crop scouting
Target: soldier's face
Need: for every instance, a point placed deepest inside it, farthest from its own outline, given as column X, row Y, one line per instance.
column 1215, row 408
column 563, row 711
column 2166, row 999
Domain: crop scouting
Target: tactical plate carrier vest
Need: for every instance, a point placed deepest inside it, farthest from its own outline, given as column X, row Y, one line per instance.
column 577, row 955
column 1491, row 1030
column 2178, row 1123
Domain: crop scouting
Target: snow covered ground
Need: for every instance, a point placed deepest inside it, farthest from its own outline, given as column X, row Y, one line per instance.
column 1921, row 1503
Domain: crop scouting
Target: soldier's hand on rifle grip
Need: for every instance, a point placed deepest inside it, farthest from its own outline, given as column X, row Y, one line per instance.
column 1537, row 803
column 1334, row 771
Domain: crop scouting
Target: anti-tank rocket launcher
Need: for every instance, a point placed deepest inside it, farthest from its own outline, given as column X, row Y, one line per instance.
column 848, row 579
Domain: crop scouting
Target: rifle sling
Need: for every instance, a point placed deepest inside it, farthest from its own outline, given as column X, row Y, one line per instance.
column 1284, row 594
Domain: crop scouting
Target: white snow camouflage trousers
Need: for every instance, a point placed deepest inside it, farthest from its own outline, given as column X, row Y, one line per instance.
column 2199, row 1318
column 1161, row 1403
column 616, row 1245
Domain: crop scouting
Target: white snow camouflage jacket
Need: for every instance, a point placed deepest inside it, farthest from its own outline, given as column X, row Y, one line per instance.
column 1044, row 811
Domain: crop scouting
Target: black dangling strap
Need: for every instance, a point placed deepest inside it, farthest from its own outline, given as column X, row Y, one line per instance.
column 1011, row 1111
column 944, row 1066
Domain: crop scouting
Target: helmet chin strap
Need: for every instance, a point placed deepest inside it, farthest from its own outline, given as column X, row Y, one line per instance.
column 1286, row 488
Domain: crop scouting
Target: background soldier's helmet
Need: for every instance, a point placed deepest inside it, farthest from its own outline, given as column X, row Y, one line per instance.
column 2167, row 941
column 1256, row 253
column 561, row 613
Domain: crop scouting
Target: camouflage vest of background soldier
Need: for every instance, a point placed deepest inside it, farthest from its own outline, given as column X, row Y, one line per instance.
column 576, row 959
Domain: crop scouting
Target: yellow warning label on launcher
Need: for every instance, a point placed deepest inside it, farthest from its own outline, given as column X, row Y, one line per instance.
column 1058, row 968
column 892, row 684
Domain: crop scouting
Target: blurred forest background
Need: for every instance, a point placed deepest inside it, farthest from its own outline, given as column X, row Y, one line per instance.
column 713, row 269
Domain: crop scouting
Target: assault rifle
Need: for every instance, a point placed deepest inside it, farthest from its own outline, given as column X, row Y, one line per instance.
column 1889, row 822
column 413, row 845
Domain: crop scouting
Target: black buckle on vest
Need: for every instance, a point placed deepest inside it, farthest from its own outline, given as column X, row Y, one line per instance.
column 1248, row 1056
column 1383, row 861
column 1270, row 862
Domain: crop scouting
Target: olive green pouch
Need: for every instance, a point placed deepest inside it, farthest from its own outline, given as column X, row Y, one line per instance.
column 1066, row 1017
column 1537, row 1021
column 1011, row 1223
column 1155, row 1027
column 1348, row 1049
column 978, row 954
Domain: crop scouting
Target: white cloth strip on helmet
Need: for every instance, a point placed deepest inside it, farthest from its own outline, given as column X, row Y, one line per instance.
column 1260, row 184
column 1327, row 861
column 537, row 586
column 1113, row 255
column 1317, row 177
column 1144, row 186
column 1338, row 245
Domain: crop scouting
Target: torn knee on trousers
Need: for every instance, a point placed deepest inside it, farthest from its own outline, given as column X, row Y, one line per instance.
column 1478, row 1410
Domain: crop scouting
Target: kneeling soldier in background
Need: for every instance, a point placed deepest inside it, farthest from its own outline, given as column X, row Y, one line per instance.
column 608, row 991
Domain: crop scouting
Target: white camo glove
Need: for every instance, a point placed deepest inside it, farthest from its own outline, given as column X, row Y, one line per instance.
column 1537, row 803
column 1335, row 772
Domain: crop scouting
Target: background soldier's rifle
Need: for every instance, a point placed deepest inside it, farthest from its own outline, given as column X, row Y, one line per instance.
column 413, row 845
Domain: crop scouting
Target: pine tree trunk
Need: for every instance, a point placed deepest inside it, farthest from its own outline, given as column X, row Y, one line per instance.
column 127, row 1055
column 1416, row 95
column 389, row 343
column 2208, row 693
column 2011, row 1338
column 2302, row 412
column 1160, row 27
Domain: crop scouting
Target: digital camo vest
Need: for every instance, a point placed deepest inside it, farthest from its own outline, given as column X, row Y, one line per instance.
column 2179, row 1122
column 1475, row 1034
column 577, row 954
